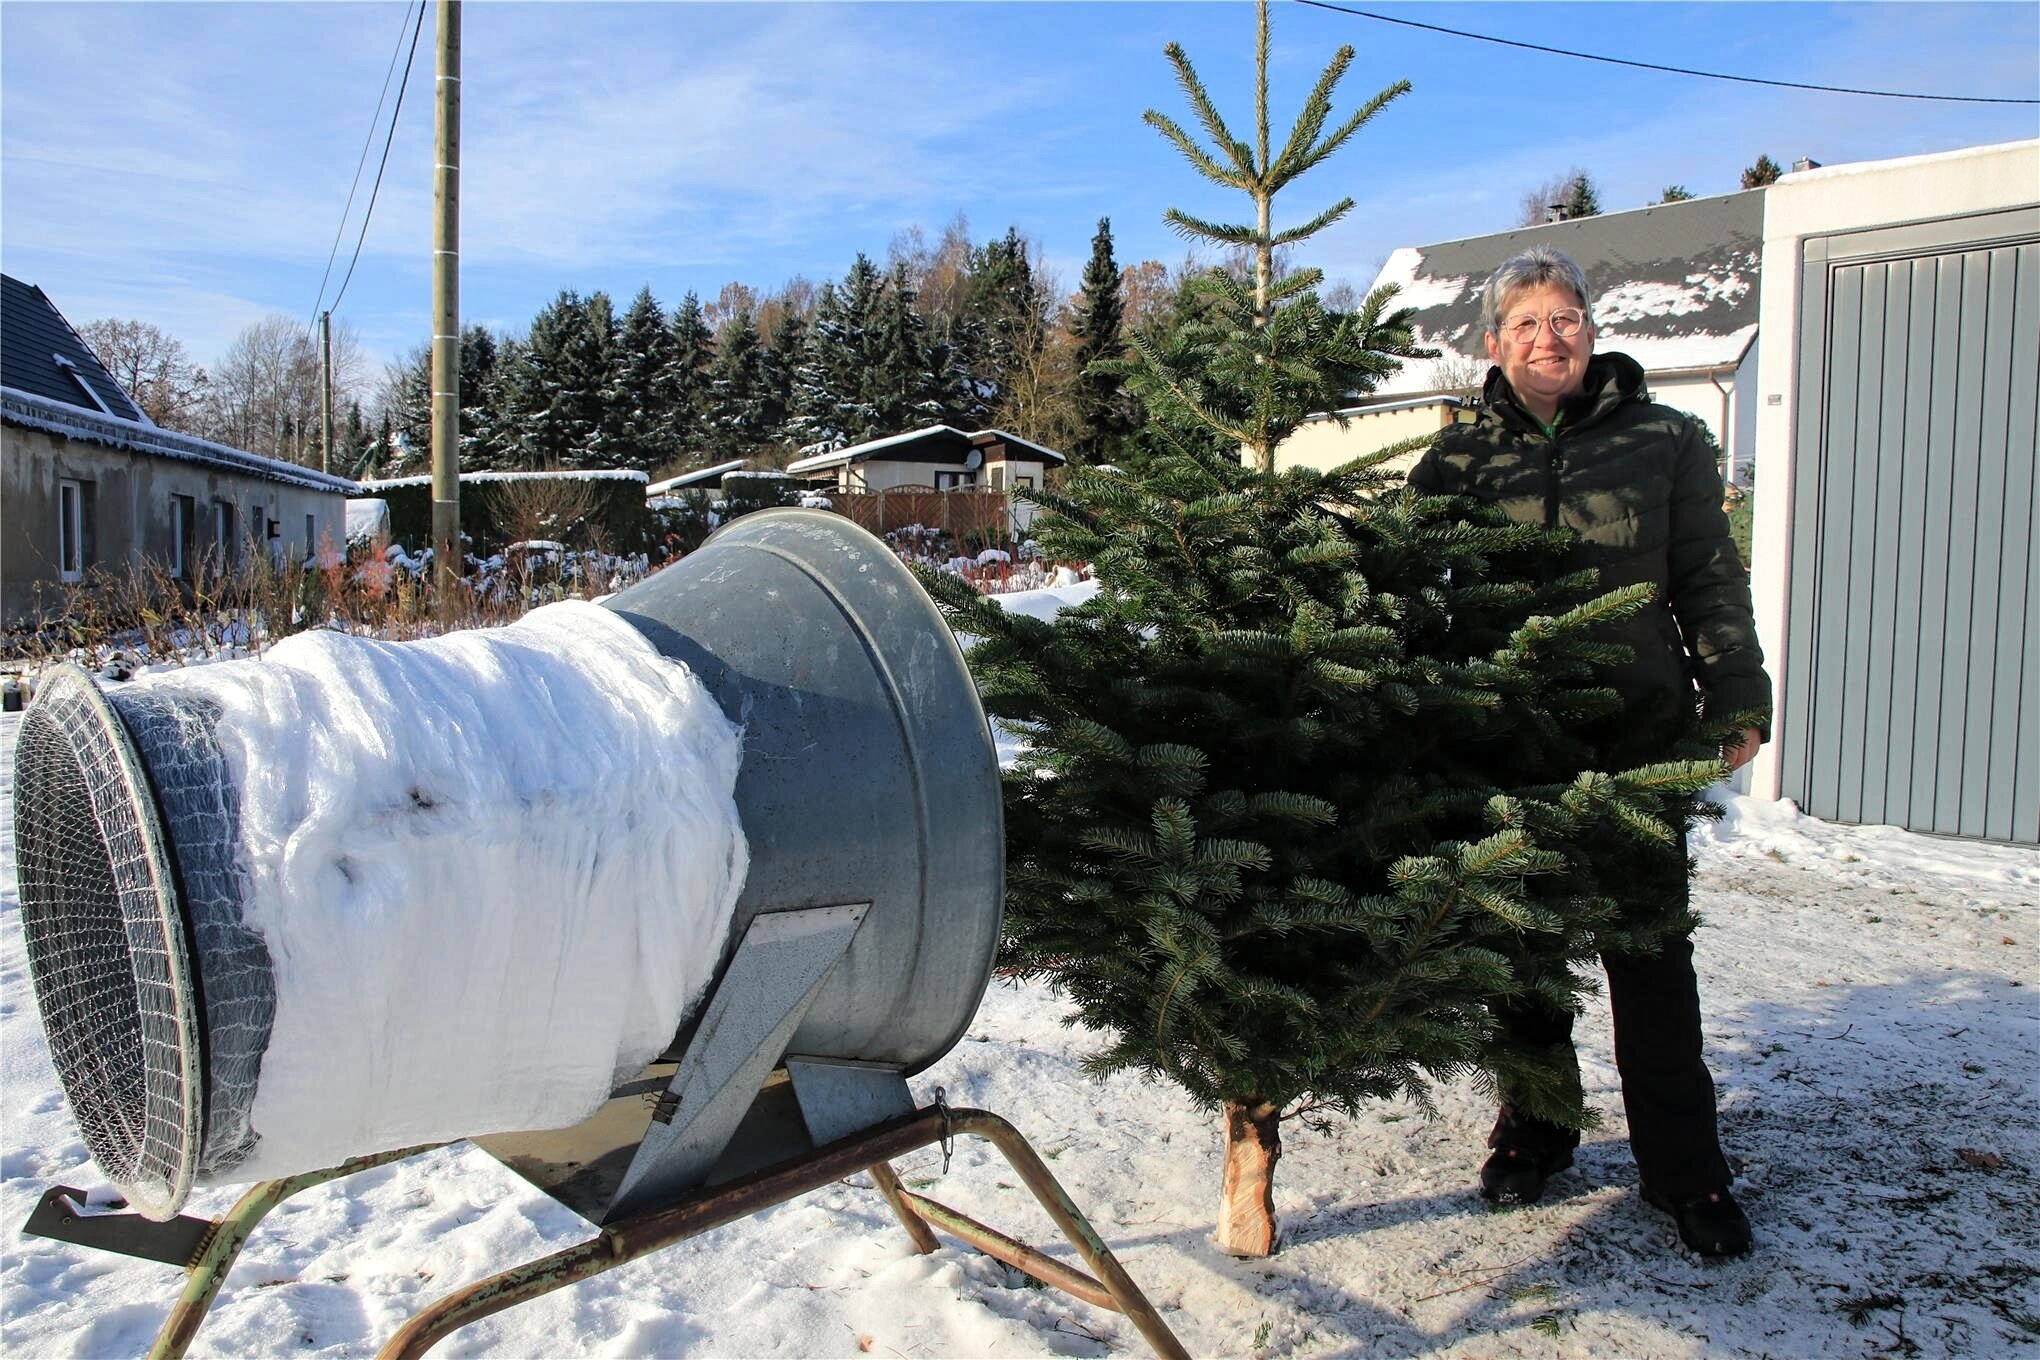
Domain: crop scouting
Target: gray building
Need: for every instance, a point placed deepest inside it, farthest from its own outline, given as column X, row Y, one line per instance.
column 1895, row 568
column 89, row 484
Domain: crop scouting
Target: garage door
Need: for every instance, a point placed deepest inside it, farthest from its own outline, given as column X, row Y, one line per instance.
column 1914, row 635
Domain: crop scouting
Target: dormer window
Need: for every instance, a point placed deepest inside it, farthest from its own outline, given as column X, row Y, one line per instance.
column 71, row 371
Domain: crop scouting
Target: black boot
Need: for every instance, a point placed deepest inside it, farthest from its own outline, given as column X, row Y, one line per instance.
column 1516, row 1175
column 1712, row 1224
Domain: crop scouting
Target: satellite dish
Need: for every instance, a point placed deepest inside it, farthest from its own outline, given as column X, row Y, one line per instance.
column 974, row 459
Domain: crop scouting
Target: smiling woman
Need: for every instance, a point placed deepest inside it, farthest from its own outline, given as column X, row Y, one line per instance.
column 1569, row 438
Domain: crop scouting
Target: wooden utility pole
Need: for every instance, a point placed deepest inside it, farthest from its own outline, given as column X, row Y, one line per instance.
column 325, row 391
column 446, row 554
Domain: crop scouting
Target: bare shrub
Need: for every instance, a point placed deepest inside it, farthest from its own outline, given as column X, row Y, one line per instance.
column 551, row 508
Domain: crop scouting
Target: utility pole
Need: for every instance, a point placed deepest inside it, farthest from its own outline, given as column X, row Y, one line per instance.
column 446, row 554
column 325, row 391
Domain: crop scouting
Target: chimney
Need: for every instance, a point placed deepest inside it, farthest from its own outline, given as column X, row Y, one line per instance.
column 1805, row 163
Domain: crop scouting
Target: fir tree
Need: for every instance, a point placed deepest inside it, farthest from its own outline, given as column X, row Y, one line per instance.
column 554, row 396
column 1764, row 171
column 905, row 371
column 647, row 389
column 1000, row 330
column 1104, row 411
column 1582, row 199
column 693, row 352
column 1675, row 193
column 737, row 390
column 782, row 357
column 1303, row 793
column 1252, row 364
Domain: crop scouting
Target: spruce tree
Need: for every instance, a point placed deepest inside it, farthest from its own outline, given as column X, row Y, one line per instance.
column 693, row 352
column 647, row 389
column 1104, row 411
column 1001, row 329
column 553, row 396
column 737, row 391
column 1304, row 790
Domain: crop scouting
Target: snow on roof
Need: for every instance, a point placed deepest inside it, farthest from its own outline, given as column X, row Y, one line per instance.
column 32, row 412
column 698, row 477
column 1675, row 286
column 858, row 453
column 580, row 475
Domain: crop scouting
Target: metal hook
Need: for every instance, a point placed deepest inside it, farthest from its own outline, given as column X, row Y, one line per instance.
column 948, row 1128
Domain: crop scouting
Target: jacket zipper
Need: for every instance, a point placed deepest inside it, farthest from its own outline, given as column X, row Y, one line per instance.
column 1554, row 463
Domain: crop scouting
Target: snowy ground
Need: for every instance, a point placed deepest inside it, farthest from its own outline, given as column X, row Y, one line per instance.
column 1874, row 1020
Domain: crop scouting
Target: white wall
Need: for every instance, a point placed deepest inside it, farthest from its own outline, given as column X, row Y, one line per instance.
column 1816, row 203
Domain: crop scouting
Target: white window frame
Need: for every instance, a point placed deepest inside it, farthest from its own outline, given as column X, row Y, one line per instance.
column 70, row 529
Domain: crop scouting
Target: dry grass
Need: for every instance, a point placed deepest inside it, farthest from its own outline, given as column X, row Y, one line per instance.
column 121, row 619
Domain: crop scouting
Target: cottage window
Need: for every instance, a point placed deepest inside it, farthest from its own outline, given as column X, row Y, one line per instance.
column 1024, row 483
column 74, row 528
column 955, row 481
column 183, row 529
column 311, row 534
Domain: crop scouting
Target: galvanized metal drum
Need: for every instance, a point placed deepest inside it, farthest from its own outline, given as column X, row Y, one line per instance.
column 869, row 773
column 868, row 776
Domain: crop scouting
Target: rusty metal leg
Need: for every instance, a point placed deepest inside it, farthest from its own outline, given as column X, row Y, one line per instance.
column 1014, row 1253
column 872, row 1151
column 1021, row 1156
column 229, row 1234
column 647, row 1232
column 888, row 1183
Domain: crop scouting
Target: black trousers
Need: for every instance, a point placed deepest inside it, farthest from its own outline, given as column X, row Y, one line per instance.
column 1666, row 1089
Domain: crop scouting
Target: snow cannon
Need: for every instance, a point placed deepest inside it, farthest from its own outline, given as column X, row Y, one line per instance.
column 639, row 895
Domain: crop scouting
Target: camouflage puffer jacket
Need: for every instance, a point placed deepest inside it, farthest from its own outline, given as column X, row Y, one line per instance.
column 1638, row 483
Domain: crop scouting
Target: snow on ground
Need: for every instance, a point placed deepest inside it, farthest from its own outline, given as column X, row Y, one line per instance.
column 1871, row 999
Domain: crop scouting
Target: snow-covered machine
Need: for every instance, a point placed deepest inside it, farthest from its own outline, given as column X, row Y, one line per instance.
column 357, row 897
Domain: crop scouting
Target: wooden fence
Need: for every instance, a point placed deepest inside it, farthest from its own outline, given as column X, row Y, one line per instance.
column 972, row 516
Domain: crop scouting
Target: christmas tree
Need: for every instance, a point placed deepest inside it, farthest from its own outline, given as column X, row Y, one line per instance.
column 1304, row 790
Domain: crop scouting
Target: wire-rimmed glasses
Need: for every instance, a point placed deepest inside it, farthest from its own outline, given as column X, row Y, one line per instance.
column 1565, row 323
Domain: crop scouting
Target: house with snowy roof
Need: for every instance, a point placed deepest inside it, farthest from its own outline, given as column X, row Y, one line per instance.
column 1675, row 288
column 939, row 458
column 88, row 481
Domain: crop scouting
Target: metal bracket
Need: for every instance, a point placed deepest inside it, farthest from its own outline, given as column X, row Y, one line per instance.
column 772, row 979
column 62, row 1215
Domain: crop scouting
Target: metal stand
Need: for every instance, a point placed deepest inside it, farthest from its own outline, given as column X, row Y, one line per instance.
column 647, row 1230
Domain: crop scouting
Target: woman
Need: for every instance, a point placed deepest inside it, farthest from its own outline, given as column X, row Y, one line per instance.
column 1569, row 437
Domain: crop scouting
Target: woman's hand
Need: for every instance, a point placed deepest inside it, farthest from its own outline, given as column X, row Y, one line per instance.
column 1739, row 749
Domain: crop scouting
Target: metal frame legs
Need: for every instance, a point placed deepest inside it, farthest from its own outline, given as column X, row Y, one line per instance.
column 692, row 1214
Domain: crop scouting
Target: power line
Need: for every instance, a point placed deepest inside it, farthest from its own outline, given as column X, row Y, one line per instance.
column 1653, row 66
column 395, row 113
column 367, row 141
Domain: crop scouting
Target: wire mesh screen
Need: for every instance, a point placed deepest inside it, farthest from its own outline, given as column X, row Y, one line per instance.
column 106, row 947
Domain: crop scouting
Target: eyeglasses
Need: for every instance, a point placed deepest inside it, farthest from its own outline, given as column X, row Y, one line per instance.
column 1565, row 323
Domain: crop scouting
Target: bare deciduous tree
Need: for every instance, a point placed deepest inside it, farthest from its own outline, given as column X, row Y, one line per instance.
column 264, row 393
column 151, row 366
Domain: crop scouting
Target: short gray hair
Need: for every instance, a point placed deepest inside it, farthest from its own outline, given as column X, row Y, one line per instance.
column 1535, row 267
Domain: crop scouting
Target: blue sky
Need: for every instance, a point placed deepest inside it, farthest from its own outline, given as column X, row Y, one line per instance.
column 187, row 165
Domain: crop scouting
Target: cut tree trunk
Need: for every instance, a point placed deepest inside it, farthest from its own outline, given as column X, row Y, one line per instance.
column 1246, row 1205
